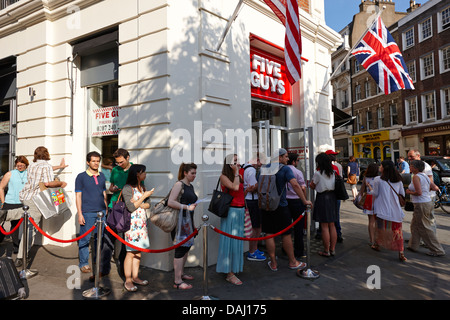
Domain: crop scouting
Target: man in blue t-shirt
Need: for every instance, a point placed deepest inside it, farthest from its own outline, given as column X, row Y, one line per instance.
column 275, row 221
column 90, row 192
column 403, row 166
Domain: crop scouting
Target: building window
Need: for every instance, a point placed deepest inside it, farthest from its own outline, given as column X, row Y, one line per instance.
column 408, row 38
column 411, row 66
column 358, row 122
column 369, row 120
column 367, row 88
column 429, row 110
column 445, row 98
column 425, row 30
column 380, row 113
column 344, row 101
column 394, row 116
column 427, row 66
column 444, row 59
column 357, row 66
column 411, row 110
column 444, row 19
column 357, row 92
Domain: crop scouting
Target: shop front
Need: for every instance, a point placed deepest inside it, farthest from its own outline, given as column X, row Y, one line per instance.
column 432, row 140
column 381, row 145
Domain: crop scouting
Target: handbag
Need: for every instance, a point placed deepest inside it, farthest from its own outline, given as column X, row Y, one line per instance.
column 119, row 218
column 339, row 188
column 351, row 179
column 220, row 202
column 359, row 200
column 163, row 216
column 401, row 198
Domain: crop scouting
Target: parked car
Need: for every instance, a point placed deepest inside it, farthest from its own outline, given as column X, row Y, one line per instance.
column 363, row 164
column 442, row 166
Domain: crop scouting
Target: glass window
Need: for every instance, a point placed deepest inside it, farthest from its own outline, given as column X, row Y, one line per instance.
column 380, row 117
column 394, row 116
column 426, row 31
column 445, row 18
column 411, row 110
column 444, row 56
column 103, row 118
column 411, row 66
column 264, row 111
column 409, row 38
column 445, row 97
column 429, row 104
column 4, row 136
column 427, row 66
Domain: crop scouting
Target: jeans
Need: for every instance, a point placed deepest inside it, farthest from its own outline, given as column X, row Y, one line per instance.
column 90, row 219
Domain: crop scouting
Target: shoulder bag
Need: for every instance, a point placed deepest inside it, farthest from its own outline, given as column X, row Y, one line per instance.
column 119, row 218
column 220, row 202
column 339, row 188
column 401, row 198
column 163, row 216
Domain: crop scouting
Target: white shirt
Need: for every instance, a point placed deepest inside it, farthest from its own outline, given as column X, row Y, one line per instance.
column 250, row 180
column 323, row 182
column 386, row 205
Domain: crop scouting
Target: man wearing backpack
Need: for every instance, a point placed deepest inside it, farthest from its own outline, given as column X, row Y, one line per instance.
column 274, row 206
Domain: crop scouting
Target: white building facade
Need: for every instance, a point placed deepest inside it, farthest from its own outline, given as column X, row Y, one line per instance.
column 80, row 76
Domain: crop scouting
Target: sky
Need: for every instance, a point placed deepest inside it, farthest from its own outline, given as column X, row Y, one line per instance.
column 339, row 13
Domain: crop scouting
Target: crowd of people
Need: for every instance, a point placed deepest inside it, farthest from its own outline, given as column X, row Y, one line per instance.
column 382, row 185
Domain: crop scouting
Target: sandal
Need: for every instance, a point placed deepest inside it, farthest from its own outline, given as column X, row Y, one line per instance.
column 300, row 266
column 187, row 277
column 325, row 254
column 132, row 289
column 234, row 280
column 182, row 286
column 140, row 282
column 402, row 257
column 86, row 269
column 270, row 266
column 375, row 247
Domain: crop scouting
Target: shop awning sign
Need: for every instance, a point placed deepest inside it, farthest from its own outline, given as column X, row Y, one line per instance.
column 105, row 121
column 268, row 77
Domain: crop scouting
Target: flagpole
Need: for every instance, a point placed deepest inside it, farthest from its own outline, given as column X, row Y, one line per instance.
column 230, row 21
column 356, row 43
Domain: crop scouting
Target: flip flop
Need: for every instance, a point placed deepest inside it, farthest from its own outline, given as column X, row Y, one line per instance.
column 178, row 286
column 141, row 282
column 324, row 254
column 234, row 280
column 270, row 266
column 300, row 266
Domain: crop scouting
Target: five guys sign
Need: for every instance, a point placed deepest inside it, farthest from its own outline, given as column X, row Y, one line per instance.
column 268, row 77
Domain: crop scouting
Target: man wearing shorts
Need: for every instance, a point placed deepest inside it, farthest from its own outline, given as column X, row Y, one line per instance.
column 275, row 221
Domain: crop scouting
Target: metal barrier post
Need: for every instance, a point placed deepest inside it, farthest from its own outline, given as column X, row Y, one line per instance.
column 26, row 273
column 205, row 226
column 307, row 273
column 97, row 292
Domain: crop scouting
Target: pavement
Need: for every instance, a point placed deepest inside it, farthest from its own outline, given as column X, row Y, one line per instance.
column 356, row 272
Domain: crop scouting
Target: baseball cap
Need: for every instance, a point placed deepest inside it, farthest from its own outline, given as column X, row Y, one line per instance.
column 331, row 152
column 278, row 153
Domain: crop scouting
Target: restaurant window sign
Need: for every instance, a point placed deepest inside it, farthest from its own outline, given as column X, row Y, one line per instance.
column 268, row 77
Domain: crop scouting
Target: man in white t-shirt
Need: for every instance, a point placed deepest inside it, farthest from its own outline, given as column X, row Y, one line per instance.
column 251, row 201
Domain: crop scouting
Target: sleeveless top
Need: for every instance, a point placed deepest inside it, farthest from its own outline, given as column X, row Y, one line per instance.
column 15, row 185
column 188, row 196
column 425, row 186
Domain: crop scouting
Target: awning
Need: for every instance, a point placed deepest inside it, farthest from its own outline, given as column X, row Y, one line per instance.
column 341, row 118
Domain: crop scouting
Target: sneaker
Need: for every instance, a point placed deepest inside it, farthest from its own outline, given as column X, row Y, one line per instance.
column 255, row 256
column 259, row 252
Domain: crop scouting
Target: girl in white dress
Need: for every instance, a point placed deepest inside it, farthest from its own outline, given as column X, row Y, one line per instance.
column 367, row 186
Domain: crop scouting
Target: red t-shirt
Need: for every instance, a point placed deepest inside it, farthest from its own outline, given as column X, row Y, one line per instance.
column 238, row 196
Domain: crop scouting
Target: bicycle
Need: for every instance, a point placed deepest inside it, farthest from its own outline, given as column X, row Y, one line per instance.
column 442, row 198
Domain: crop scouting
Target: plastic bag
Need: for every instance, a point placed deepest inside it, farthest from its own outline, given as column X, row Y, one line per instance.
column 184, row 228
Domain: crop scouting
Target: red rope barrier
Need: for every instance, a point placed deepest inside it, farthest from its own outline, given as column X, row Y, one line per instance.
column 13, row 230
column 57, row 240
column 154, row 250
column 261, row 238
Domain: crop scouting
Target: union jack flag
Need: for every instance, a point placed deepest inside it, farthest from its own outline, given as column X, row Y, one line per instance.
column 378, row 53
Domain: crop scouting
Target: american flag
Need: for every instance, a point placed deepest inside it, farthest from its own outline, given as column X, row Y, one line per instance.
column 287, row 12
column 378, row 53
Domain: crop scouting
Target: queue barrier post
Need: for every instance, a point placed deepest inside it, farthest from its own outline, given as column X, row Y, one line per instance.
column 205, row 227
column 97, row 292
column 26, row 273
column 308, row 273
